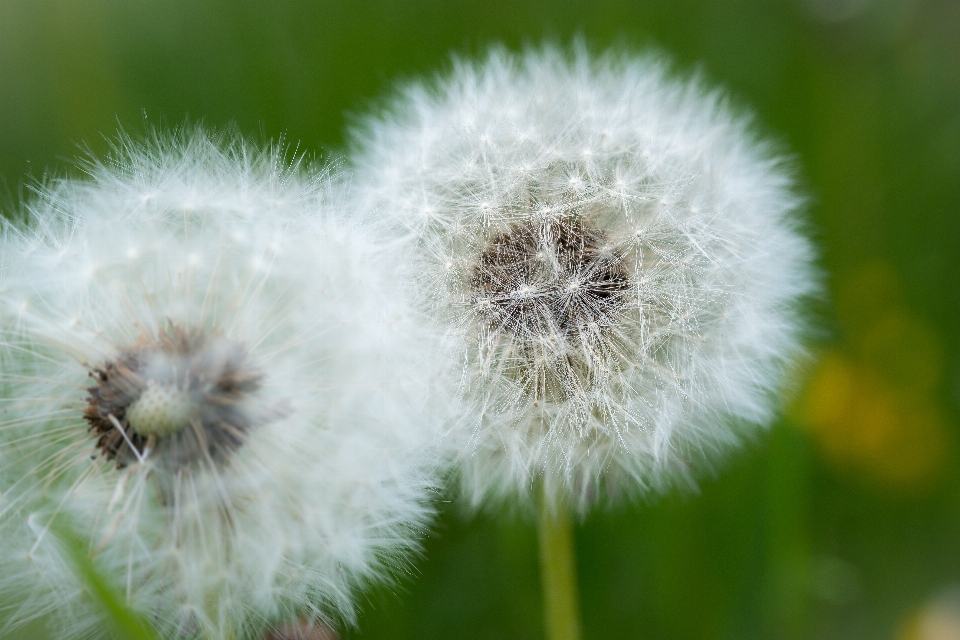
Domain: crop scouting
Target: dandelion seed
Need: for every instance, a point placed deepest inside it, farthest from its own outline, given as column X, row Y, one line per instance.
column 225, row 416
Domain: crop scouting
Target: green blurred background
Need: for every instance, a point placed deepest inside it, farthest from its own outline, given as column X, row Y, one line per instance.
column 844, row 520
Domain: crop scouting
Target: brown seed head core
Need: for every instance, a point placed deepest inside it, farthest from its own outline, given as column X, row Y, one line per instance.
column 182, row 396
column 546, row 279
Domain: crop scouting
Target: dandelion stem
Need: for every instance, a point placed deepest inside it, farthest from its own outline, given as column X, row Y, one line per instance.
column 558, row 574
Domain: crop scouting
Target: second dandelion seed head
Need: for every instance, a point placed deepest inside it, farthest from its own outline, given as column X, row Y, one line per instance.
column 614, row 254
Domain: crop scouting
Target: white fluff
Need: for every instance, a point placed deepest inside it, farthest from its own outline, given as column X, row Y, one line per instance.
column 328, row 490
column 616, row 254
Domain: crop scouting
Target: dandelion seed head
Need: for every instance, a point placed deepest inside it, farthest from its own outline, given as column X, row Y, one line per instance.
column 236, row 421
column 629, row 302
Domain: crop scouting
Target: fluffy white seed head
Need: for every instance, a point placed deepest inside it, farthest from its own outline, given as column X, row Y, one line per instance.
column 206, row 375
column 615, row 253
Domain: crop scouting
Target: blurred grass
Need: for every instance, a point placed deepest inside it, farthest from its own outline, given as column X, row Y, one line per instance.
column 125, row 622
column 820, row 529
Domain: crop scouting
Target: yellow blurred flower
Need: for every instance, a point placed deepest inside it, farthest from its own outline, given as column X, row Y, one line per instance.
column 938, row 619
column 862, row 422
column 871, row 405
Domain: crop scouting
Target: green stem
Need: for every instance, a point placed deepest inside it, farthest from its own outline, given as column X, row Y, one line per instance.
column 558, row 573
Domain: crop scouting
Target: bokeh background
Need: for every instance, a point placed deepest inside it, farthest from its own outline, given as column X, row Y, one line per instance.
column 843, row 522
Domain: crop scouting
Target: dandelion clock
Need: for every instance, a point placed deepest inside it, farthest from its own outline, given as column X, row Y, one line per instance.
column 615, row 256
column 207, row 383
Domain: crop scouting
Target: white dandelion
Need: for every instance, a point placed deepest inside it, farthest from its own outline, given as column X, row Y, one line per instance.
column 616, row 255
column 617, row 261
column 207, row 377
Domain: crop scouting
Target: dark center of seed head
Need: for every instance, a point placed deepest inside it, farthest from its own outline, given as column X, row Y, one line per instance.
column 545, row 280
column 182, row 397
